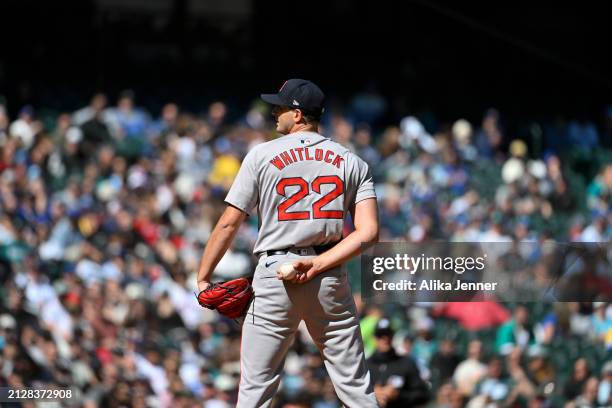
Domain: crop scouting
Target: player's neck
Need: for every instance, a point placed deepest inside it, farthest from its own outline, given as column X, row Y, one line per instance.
column 304, row 127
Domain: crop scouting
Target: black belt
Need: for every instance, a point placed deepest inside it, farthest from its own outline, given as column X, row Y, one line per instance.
column 318, row 249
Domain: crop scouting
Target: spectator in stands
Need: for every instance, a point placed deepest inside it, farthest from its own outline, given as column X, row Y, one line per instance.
column 132, row 121
column 470, row 371
column 397, row 380
column 583, row 134
column 473, row 316
column 588, row 397
column 167, row 124
column 489, row 137
column 342, row 132
column 604, row 393
column 574, row 385
column 363, row 146
column 392, row 218
column 302, row 400
column 96, row 108
column 596, row 230
column 373, row 313
column 444, row 361
column 515, row 333
column 25, row 128
column 558, row 186
column 424, row 345
column 599, row 192
column 462, row 138
column 4, row 122
column 494, row 387
column 522, row 387
column 448, row 397
column 216, row 116
column 539, row 370
column 602, row 323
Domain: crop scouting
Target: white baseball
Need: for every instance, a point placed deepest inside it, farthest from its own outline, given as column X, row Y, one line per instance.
column 287, row 271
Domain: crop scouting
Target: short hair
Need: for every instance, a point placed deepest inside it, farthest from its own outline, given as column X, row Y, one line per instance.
column 310, row 117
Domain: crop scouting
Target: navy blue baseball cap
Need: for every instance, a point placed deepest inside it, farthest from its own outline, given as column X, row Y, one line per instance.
column 298, row 94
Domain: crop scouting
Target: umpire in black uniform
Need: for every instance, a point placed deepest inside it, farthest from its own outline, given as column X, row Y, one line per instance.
column 396, row 378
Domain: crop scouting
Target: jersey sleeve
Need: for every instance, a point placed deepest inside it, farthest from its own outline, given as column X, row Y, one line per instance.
column 362, row 179
column 244, row 192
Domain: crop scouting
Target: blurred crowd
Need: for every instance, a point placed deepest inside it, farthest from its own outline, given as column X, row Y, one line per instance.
column 104, row 213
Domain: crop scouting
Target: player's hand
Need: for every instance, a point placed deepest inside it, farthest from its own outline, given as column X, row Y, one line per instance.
column 280, row 276
column 306, row 270
column 203, row 285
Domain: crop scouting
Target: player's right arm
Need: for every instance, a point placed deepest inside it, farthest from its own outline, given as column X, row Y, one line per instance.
column 220, row 239
column 241, row 198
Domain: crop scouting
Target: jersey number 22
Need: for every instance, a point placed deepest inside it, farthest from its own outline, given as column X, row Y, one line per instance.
column 317, row 207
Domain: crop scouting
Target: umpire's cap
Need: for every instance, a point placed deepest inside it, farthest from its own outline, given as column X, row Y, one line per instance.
column 383, row 328
column 298, row 94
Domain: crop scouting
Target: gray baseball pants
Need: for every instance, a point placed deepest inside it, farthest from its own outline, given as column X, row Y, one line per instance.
column 326, row 305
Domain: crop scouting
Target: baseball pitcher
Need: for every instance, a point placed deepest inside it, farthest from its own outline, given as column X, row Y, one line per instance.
column 302, row 186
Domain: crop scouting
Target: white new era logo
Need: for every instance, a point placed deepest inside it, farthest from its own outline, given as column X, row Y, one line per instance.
column 296, row 103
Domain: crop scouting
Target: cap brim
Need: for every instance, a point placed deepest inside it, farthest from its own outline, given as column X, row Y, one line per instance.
column 273, row 99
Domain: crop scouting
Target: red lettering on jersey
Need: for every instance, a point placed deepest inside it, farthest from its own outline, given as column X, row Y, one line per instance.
column 277, row 162
column 319, row 154
column 337, row 161
column 286, row 158
column 300, row 150
column 293, row 155
column 327, row 156
column 307, row 154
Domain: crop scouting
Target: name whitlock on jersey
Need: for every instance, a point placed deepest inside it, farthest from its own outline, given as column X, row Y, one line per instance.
column 303, row 185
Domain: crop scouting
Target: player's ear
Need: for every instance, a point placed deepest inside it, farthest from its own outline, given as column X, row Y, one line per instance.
column 298, row 115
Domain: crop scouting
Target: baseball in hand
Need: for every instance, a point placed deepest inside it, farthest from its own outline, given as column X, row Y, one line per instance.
column 287, row 271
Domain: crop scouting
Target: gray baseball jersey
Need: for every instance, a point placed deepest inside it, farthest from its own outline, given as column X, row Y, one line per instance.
column 303, row 184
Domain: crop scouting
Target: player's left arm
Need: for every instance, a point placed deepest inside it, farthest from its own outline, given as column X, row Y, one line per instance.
column 220, row 239
column 365, row 219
